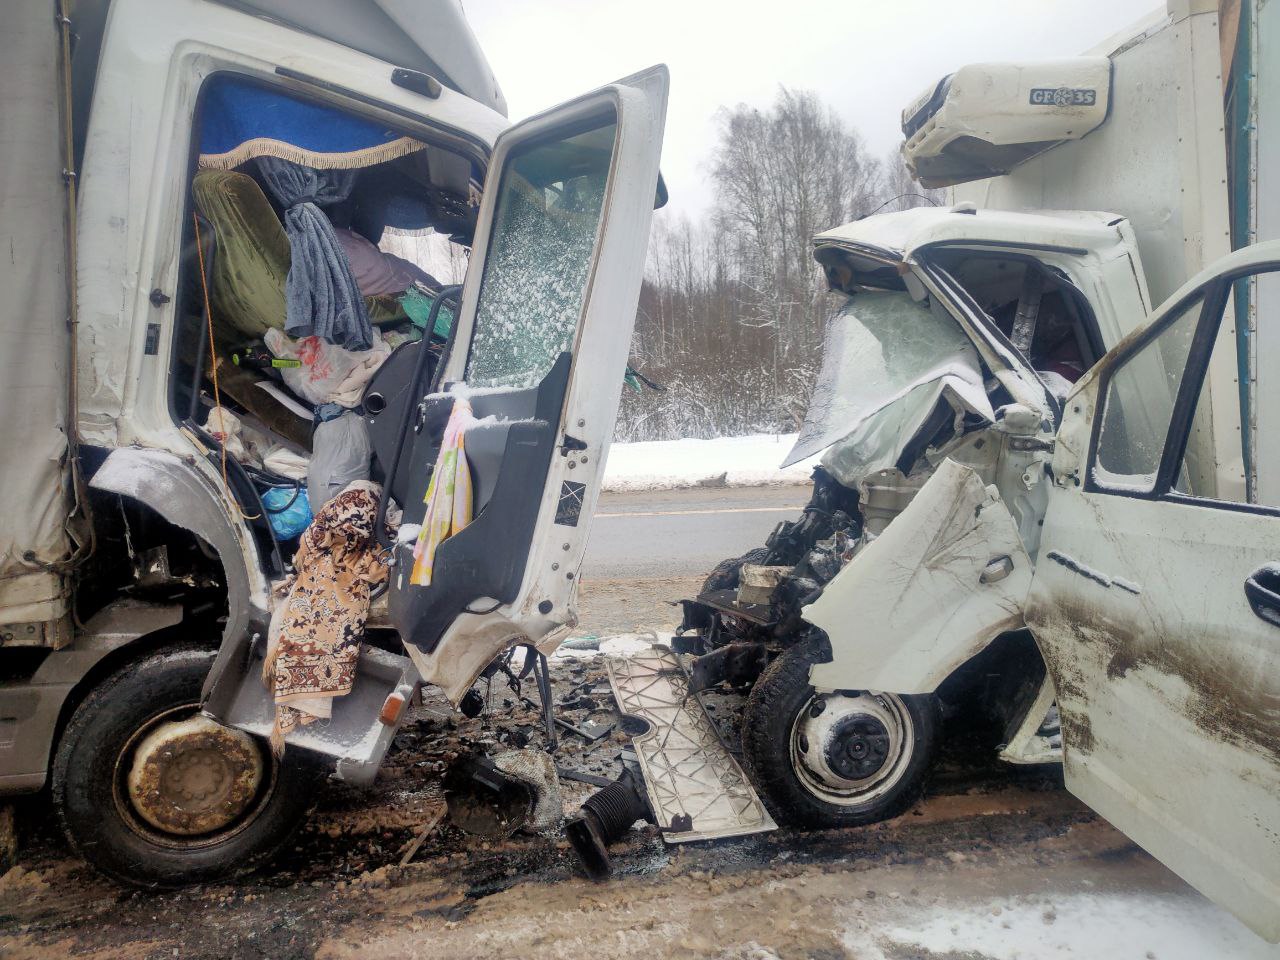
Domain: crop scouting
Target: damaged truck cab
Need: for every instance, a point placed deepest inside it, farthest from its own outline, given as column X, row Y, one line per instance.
column 184, row 153
column 1040, row 496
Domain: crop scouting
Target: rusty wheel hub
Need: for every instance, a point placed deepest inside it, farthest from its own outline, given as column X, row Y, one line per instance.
column 194, row 776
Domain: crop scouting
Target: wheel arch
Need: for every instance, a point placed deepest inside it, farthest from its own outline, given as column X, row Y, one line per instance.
column 177, row 489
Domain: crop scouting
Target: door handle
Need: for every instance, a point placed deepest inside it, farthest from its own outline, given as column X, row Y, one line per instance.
column 1262, row 588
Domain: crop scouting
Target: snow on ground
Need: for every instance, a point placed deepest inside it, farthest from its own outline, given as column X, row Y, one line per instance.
column 1117, row 925
column 614, row 645
column 723, row 462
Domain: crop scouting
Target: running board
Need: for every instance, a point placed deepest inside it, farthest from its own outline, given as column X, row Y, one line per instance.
column 696, row 789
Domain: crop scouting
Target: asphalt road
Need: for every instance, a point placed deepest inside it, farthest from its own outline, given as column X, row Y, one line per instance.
column 682, row 533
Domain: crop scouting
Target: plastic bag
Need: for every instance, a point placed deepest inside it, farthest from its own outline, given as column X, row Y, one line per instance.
column 225, row 427
column 328, row 373
column 280, row 459
column 340, row 453
column 288, row 511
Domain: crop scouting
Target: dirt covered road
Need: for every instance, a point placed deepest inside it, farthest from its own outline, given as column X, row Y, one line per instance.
column 993, row 863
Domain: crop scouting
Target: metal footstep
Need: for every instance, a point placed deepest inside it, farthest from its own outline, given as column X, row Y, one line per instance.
column 697, row 790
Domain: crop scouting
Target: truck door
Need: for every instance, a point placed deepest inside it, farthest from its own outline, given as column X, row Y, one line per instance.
column 1156, row 603
column 539, row 351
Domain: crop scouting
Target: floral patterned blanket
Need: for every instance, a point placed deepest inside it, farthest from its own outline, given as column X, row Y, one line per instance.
column 315, row 634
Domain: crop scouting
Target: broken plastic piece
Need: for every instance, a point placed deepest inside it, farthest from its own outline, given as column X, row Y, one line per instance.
column 691, row 778
column 392, row 707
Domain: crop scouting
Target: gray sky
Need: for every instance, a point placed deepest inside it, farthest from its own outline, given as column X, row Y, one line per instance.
column 867, row 58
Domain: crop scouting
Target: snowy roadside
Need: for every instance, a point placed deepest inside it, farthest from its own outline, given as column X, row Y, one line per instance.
column 723, row 462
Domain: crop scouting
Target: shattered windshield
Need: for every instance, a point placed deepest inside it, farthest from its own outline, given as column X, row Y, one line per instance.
column 535, row 274
column 886, row 361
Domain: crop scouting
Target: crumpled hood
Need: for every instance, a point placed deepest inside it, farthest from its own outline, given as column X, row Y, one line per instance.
column 887, row 361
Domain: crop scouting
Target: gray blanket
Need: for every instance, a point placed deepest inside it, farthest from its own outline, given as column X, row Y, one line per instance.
column 321, row 295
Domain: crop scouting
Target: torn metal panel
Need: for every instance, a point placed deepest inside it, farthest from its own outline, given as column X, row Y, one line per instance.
column 177, row 490
column 1035, row 740
column 887, row 362
column 696, row 789
column 944, row 579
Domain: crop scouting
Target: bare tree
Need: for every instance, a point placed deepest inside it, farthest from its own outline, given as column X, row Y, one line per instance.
column 733, row 308
column 902, row 191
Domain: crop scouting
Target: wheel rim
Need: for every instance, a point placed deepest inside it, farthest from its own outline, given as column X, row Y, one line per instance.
column 851, row 749
column 184, row 781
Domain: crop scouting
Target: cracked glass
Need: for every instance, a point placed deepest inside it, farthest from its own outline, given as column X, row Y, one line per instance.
column 545, row 230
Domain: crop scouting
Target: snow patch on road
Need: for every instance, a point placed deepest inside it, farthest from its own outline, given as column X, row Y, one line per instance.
column 616, row 645
column 1074, row 926
column 722, row 462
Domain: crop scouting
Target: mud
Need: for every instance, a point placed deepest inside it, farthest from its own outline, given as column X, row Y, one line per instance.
column 339, row 890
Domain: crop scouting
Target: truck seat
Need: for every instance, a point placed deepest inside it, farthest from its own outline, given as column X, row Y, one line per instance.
column 252, row 264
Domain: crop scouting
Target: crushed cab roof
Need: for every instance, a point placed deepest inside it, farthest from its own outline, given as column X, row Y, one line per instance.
column 902, row 233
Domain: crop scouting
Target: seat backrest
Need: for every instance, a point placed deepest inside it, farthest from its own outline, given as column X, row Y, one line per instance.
column 252, row 261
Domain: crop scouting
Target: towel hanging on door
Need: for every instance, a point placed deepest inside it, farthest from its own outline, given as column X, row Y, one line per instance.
column 449, row 495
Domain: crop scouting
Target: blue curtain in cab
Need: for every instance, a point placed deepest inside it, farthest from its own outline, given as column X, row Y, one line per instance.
column 306, row 156
column 241, row 119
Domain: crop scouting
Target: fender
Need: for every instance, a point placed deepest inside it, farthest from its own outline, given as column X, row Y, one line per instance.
column 947, row 577
column 176, row 489
column 35, row 709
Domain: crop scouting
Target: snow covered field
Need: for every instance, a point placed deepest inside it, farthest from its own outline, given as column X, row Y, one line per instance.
column 723, row 462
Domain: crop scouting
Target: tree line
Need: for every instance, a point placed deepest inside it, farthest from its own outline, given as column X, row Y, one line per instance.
column 733, row 307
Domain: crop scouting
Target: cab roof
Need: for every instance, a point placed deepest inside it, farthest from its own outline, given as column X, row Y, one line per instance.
column 899, row 235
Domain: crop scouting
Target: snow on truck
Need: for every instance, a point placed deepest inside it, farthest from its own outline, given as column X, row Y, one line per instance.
column 1044, row 494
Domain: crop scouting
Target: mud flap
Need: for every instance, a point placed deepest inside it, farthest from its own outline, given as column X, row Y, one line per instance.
column 696, row 789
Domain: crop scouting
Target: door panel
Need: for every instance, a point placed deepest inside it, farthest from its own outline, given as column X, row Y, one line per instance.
column 1169, row 684
column 541, row 345
column 1144, row 602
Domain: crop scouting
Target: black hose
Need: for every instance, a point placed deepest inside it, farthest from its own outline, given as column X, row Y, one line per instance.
column 605, row 818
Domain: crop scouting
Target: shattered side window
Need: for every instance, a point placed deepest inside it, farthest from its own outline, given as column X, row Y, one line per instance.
column 540, row 251
column 1139, row 407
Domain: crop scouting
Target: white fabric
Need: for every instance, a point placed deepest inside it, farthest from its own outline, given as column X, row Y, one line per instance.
column 33, row 318
column 280, row 459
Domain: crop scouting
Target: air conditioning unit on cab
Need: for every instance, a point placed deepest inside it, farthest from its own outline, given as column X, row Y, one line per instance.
column 986, row 118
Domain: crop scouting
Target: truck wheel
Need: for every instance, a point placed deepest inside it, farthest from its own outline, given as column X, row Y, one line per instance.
column 728, row 573
column 153, row 794
column 834, row 760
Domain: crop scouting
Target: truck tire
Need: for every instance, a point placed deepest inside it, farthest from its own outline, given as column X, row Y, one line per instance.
column 727, row 573
column 834, row 760
column 154, row 795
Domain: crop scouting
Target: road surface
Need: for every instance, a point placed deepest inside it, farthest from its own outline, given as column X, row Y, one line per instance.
column 650, row 549
column 683, row 533
column 995, row 863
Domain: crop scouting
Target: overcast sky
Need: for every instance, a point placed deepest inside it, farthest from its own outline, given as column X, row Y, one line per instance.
column 867, row 58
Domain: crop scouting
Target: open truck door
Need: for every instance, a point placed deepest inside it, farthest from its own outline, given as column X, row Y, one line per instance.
column 538, row 350
column 1156, row 600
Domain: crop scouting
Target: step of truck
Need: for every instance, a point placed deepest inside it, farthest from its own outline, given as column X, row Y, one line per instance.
column 696, row 789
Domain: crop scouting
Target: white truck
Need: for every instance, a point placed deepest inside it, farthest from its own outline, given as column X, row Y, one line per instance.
column 1044, row 492
column 145, row 243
